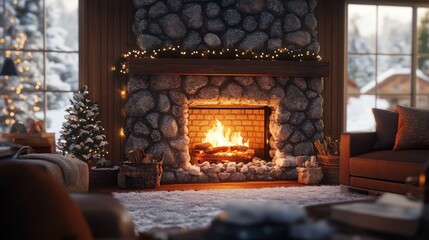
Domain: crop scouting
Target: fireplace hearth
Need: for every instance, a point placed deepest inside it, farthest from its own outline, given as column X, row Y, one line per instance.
column 172, row 102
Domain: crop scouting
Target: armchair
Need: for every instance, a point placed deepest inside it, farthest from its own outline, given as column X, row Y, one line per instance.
column 364, row 167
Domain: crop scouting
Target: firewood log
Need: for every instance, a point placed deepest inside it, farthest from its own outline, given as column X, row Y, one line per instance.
column 239, row 148
column 214, row 150
column 202, row 146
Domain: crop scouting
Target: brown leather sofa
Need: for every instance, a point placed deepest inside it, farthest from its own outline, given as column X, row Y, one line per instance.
column 362, row 167
column 34, row 205
column 106, row 217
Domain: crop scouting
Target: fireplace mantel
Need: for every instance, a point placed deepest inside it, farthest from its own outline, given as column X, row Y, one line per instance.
column 227, row 67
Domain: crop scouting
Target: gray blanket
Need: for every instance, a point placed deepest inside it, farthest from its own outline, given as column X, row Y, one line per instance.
column 68, row 166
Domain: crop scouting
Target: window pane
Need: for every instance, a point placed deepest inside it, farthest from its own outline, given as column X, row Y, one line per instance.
column 2, row 30
column 394, row 29
column 62, row 71
column 62, row 25
column 24, row 24
column 423, row 101
column 361, row 69
column 393, row 75
column 34, row 105
column 57, row 104
column 361, row 30
column 20, row 107
column 4, row 116
column 393, row 100
column 359, row 113
column 423, row 65
column 423, row 76
column 30, row 70
column 423, row 30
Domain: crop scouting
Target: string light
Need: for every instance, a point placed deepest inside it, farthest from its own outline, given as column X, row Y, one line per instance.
column 176, row 52
column 123, row 94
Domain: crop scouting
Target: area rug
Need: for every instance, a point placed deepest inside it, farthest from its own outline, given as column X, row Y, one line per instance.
column 192, row 209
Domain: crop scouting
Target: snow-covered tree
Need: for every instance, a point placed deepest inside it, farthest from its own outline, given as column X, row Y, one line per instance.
column 82, row 134
column 423, row 42
column 360, row 66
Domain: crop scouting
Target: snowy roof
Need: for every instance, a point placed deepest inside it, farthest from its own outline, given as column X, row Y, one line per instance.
column 392, row 72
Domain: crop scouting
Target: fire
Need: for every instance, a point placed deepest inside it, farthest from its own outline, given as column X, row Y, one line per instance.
column 217, row 136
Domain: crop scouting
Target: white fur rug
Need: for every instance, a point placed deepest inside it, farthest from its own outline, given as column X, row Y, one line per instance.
column 191, row 209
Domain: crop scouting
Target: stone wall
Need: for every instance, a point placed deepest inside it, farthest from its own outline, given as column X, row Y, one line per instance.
column 258, row 25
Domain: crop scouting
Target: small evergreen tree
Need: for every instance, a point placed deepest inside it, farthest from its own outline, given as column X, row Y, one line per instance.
column 423, row 40
column 82, row 134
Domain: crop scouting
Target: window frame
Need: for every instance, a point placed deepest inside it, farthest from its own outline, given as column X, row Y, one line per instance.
column 45, row 51
column 415, row 55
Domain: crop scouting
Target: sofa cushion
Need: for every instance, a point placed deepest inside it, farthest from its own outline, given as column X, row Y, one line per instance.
column 413, row 129
column 73, row 173
column 386, row 126
column 389, row 165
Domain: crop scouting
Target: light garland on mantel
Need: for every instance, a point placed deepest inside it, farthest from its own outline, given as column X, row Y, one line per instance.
column 176, row 52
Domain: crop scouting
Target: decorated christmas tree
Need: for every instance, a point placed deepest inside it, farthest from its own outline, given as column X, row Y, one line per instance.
column 82, row 134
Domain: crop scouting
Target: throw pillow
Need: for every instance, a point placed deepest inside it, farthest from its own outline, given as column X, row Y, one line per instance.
column 413, row 129
column 386, row 126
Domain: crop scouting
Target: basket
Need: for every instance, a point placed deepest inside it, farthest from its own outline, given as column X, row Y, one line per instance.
column 140, row 175
column 331, row 168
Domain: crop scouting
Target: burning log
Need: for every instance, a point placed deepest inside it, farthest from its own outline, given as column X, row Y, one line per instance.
column 214, row 150
column 202, row 146
column 222, row 154
column 239, row 148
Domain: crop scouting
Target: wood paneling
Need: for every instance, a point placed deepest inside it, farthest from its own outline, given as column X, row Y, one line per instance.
column 331, row 20
column 105, row 34
column 227, row 67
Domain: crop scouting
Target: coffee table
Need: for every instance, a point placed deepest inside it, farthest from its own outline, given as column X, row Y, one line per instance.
column 316, row 212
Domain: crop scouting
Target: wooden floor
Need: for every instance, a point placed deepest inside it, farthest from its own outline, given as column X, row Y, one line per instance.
column 204, row 186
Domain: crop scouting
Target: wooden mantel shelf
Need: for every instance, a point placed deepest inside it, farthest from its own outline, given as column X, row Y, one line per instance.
column 227, row 67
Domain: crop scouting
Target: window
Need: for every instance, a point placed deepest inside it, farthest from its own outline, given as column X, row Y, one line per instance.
column 387, row 60
column 41, row 37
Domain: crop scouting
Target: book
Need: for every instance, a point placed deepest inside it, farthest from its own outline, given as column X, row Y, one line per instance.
column 390, row 213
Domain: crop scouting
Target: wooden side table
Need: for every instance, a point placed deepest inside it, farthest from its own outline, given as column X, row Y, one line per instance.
column 40, row 142
column 103, row 177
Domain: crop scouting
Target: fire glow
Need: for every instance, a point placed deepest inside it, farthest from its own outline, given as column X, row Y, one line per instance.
column 217, row 136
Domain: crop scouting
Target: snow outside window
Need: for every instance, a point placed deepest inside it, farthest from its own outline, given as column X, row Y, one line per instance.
column 41, row 37
column 383, row 67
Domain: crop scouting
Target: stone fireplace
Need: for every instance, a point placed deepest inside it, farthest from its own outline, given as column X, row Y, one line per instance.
column 276, row 104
